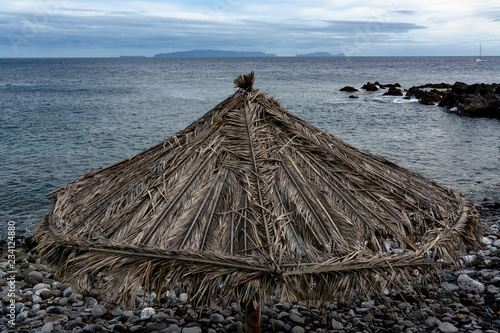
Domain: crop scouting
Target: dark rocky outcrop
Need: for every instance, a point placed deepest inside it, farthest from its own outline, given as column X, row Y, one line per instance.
column 389, row 85
column 426, row 97
column 348, row 89
column 475, row 100
column 353, row 96
column 441, row 85
column 370, row 87
column 393, row 91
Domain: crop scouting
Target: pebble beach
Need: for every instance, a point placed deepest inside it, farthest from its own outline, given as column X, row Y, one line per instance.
column 466, row 300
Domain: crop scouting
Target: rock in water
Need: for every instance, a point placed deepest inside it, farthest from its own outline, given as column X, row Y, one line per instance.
column 465, row 282
column 348, row 89
column 369, row 87
column 393, row 91
column 475, row 100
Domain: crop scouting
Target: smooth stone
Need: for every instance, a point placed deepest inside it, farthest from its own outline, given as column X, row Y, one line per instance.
column 155, row 327
column 33, row 278
column 128, row 313
column 47, row 328
column 298, row 329
column 465, row 282
column 41, row 286
column 56, row 309
column 451, row 286
column 171, row 329
column 19, row 307
column 432, row 322
column 447, row 328
column 277, row 324
column 216, row 318
column 147, row 313
column 99, row 310
column 38, row 292
column 194, row 329
column 337, row 325
column 22, row 316
column 238, row 326
column 493, row 290
column 67, row 292
column 183, row 297
column 116, row 312
column 296, row 318
column 90, row 302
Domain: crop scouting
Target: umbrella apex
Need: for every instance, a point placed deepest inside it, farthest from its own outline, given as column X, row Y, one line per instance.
column 245, row 81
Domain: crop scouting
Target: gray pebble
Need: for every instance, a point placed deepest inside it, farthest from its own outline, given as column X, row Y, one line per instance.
column 337, row 325
column 298, row 329
column 128, row 313
column 171, row 329
column 447, row 328
column 22, row 316
column 47, row 327
column 216, row 318
column 99, row 310
column 195, row 329
column 296, row 318
column 277, row 324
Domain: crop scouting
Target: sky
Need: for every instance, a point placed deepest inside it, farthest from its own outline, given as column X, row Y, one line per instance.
column 111, row 28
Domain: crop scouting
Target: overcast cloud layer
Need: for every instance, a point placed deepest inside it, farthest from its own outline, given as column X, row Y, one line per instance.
column 109, row 28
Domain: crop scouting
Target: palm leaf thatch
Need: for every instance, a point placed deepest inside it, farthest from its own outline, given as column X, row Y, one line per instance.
column 251, row 201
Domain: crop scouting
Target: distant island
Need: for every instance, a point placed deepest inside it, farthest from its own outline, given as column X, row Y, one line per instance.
column 213, row 53
column 126, row 56
column 320, row 54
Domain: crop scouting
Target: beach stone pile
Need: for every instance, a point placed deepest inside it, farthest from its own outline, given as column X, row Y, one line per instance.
column 466, row 300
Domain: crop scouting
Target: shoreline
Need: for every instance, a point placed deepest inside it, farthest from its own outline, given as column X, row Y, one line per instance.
column 43, row 304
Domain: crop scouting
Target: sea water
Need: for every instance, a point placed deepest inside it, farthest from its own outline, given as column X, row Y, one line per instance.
column 61, row 118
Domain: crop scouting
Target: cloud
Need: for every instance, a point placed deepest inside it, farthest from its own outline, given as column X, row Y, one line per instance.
column 126, row 29
column 112, row 27
column 404, row 12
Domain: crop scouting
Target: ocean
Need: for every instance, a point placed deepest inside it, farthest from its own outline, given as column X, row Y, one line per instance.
column 61, row 118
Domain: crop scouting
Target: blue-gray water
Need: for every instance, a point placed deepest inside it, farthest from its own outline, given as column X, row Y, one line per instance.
column 60, row 118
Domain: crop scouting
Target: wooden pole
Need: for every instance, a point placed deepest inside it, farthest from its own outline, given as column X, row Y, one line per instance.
column 252, row 316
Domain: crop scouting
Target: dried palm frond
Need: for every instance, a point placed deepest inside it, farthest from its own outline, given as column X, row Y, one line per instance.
column 251, row 200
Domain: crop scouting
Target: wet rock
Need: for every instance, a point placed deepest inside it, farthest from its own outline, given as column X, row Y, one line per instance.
column 369, row 87
column 475, row 100
column 348, row 89
column 353, row 96
column 426, row 97
column 393, row 91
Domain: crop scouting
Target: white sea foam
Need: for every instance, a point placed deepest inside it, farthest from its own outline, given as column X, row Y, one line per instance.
column 403, row 100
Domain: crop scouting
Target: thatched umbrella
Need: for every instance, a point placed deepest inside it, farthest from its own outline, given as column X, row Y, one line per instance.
column 250, row 202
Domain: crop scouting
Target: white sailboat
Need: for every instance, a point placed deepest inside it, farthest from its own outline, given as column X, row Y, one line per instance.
column 480, row 59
